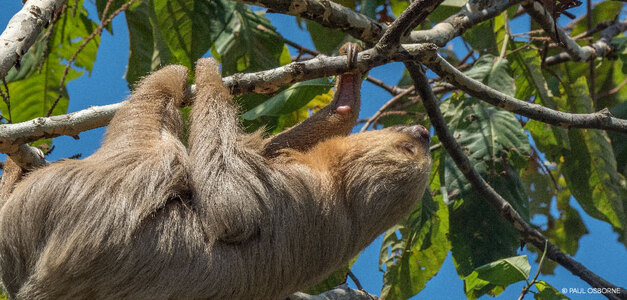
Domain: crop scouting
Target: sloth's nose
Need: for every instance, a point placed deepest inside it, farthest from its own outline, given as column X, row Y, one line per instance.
column 418, row 132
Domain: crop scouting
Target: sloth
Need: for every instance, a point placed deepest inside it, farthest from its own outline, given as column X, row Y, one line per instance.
column 230, row 216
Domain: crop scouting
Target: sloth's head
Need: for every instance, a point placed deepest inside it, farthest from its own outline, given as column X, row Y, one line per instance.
column 380, row 174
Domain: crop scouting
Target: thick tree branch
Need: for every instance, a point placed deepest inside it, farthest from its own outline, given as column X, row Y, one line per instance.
column 12, row 135
column 528, row 233
column 341, row 292
column 457, row 24
column 327, row 13
column 541, row 15
column 600, row 120
column 335, row 16
column 23, row 29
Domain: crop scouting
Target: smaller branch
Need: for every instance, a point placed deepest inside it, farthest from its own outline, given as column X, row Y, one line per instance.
column 88, row 39
column 341, row 292
column 6, row 97
column 71, row 124
column 600, row 120
column 533, row 281
column 385, row 106
column 612, row 91
column 355, row 280
column 393, row 90
column 457, row 24
column 541, row 15
column 11, row 135
column 591, row 83
column 411, row 17
column 332, row 15
column 573, row 51
column 22, row 31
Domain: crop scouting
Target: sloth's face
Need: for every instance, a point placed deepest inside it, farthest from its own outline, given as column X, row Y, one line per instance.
column 384, row 170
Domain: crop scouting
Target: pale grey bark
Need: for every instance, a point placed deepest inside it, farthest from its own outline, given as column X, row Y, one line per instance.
column 23, row 29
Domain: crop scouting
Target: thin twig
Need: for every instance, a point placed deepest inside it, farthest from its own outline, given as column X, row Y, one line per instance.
column 591, row 83
column 6, row 97
column 88, row 39
column 384, row 107
column 526, row 288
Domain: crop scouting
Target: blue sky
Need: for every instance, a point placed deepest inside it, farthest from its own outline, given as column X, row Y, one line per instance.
column 598, row 250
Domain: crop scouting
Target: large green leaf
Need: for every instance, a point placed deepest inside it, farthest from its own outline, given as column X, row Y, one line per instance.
column 619, row 142
column 148, row 50
column 325, row 39
column 190, row 27
column 495, row 276
column 290, row 99
column 248, row 42
column 590, row 168
column 494, row 72
column 488, row 135
column 413, row 251
column 505, row 271
column 481, row 37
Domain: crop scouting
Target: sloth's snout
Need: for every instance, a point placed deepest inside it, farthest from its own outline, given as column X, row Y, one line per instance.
column 417, row 132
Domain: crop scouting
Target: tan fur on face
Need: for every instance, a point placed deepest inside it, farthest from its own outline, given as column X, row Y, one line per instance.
column 144, row 217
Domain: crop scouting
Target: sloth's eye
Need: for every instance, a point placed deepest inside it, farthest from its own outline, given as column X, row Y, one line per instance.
column 409, row 147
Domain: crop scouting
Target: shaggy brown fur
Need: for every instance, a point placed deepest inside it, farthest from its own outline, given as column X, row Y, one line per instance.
column 144, row 218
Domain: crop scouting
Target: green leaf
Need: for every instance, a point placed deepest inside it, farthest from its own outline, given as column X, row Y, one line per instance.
column 290, row 99
column 527, row 64
column 148, row 50
column 481, row 37
column 494, row 72
column 619, row 142
column 487, row 134
column 369, row 7
column 413, row 252
column 474, row 287
column 398, row 6
column 494, row 277
column 620, row 43
column 566, row 231
column 443, row 11
column 190, row 27
column 37, row 94
column 325, row 39
column 603, row 11
column 100, row 6
column 590, row 168
column 547, row 292
column 248, row 42
column 505, row 271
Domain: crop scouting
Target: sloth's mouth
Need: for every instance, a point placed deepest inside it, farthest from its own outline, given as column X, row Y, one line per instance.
column 346, row 94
